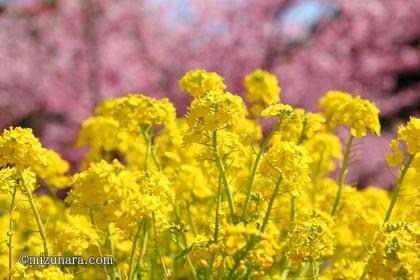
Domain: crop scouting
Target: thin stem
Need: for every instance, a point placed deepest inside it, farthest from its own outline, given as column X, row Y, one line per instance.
column 251, row 178
column 191, row 220
column 36, row 214
column 92, row 221
column 285, row 272
column 111, row 251
column 155, row 158
column 194, row 273
column 165, row 273
column 363, row 276
column 217, row 218
column 216, row 228
column 270, row 205
column 190, row 264
column 397, row 189
column 314, row 270
column 148, row 139
column 10, row 232
column 293, row 202
column 293, row 205
column 241, row 255
column 222, row 172
column 142, row 249
column 343, row 172
column 133, row 250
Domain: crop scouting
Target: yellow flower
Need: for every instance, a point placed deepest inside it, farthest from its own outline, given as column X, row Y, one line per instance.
column 96, row 190
column 23, row 272
column 395, row 252
column 8, row 178
column 264, row 253
column 236, row 236
column 99, row 133
column 19, row 147
column 53, row 172
column 288, row 161
column 358, row 114
column 299, row 126
column 323, row 149
column 200, row 82
column 135, row 110
column 397, row 156
column 311, row 237
column 249, row 131
column 411, row 135
column 11, row 177
column 72, row 237
column 347, row 270
column 216, row 110
column 278, row 110
column 110, row 193
column 262, row 90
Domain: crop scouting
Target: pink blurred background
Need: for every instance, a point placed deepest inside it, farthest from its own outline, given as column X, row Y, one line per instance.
column 59, row 58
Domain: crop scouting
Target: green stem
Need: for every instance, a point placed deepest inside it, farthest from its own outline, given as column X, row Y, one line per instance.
column 148, row 139
column 191, row 220
column 133, row 251
column 142, row 250
column 270, row 205
column 314, row 270
column 302, row 133
column 363, row 276
column 190, row 264
column 10, row 232
column 285, row 272
column 343, row 172
column 36, row 214
column 194, row 273
column 111, row 251
column 397, row 189
column 155, row 158
column 293, row 202
column 241, row 256
column 222, row 172
column 92, row 221
column 216, row 228
column 251, row 178
column 217, row 218
column 165, row 273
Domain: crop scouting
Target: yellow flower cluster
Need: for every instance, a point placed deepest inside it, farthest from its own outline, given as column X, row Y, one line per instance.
column 262, row 89
column 287, row 162
column 200, row 82
column 21, row 148
column 395, row 252
column 311, row 236
column 410, row 134
column 213, row 111
column 49, row 273
column 358, row 114
column 135, row 110
column 277, row 110
column 210, row 196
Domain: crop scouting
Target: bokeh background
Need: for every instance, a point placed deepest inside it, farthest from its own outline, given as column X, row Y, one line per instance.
column 59, row 58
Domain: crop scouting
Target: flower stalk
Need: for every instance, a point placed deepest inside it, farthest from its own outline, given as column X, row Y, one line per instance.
column 397, row 189
column 343, row 172
column 251, row 178
column 222, row 172
column 10, row 232
column 36, row 214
